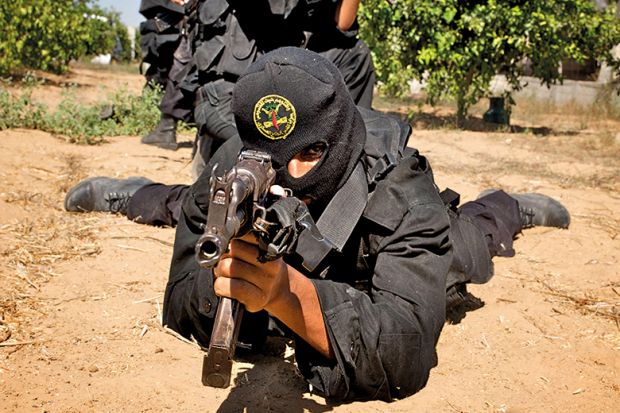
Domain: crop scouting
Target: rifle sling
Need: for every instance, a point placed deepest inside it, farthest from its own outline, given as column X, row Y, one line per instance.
column 343, row 212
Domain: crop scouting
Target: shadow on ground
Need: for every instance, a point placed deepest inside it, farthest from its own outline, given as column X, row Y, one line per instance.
column 435, row 121
column 284, row 390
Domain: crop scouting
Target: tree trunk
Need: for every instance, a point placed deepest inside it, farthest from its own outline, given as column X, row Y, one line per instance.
column 461, row 99
column 461, row 111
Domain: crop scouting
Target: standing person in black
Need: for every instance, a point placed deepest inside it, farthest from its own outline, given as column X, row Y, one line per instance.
column 367, row 326
column 166, row 47
column 225, row 36
column 159, row 37
column 231, row 34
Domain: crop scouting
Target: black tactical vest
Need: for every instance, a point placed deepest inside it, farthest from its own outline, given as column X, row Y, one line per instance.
column 232, row 34
column 159, row 36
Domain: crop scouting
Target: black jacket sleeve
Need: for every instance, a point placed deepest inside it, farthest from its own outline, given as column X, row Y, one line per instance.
column 384, row 340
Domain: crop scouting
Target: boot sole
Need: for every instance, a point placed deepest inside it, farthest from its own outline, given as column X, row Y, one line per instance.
column 169, row 146
column 164, row 145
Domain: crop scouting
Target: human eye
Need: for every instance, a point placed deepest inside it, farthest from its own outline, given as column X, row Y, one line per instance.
column 313, row 152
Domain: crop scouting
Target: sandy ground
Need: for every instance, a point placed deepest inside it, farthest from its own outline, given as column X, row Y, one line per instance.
column 80, row 294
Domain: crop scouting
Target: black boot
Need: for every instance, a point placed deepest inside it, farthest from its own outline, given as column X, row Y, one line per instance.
column 103, row 194
column 460, row 301
column 164, row 135
column 541, row 210
column 538, row 210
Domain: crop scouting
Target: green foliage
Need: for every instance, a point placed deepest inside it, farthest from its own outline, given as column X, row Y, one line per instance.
column 109, row 34
column 457, row 47
column 47, row 35
column 21, row 112
column 129, row 115
column 136, row 45
column 78, row 123
column 100, row 33
column 40, row 34
column 136, row 115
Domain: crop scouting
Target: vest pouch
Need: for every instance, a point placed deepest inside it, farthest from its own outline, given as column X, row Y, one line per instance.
column 158, row 49
column 242, row 47
column 149, row 8
column 210, row 11
column 161, row 25
column 147, row 26
column 208, row 53
column 239, row 51
column 148, row 46
column 167, row 44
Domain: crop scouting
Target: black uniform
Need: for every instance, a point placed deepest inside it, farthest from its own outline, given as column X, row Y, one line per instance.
column 400, row 248
column 231, row 34
column 166, row 47
column 407, row 248
column 160, row 35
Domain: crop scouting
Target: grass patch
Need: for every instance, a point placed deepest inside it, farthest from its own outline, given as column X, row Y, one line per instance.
column 123, row 114
column 21, row 111
column 573, row 113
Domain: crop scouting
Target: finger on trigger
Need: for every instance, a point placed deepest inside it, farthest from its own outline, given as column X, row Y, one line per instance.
column 278, row 191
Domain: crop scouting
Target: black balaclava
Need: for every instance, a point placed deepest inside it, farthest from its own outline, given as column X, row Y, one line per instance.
column 290, row 99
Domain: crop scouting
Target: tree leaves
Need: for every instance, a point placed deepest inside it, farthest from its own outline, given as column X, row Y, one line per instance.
column 46, row 35
column 459, row 46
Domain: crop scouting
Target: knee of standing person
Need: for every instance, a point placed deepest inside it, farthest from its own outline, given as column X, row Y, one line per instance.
column 214, row 121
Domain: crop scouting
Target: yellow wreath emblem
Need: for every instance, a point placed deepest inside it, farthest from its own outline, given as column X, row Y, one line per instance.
column 275, row 117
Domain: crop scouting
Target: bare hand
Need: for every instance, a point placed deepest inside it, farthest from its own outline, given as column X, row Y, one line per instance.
column 240, row 276
column 278, row 190
column 275, row 287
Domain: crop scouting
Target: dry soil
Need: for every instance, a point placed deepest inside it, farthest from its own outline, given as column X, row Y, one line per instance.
column 81, row 294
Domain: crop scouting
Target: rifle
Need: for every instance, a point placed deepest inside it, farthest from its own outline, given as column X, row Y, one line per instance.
column 238, row 205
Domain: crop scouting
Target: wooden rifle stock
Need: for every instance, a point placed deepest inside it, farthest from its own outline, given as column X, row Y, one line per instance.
column 217, row 363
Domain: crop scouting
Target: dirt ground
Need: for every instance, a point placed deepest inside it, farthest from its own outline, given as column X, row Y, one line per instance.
column 81, row 294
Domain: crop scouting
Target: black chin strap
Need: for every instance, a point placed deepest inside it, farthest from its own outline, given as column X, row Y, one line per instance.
column 343, row 212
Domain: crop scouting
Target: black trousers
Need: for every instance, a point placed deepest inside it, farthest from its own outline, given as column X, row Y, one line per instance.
column 480, row 229
column 214, row 120
column 157, row 204
column 355, row 64
column 175, row 104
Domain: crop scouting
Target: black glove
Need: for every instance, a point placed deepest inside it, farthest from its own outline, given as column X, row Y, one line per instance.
column 283, row 227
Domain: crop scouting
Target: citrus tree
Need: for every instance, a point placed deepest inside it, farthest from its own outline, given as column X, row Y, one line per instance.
column 47, row 35
column 108, row 34
column 458, row 46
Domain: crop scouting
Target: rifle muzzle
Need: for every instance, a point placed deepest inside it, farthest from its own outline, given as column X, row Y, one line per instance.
column 209, row 250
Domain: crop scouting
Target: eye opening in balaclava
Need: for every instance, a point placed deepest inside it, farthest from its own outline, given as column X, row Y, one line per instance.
column 290, row 99
column 313, row 151
column 317, row 158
